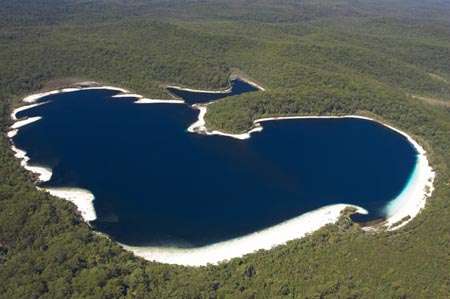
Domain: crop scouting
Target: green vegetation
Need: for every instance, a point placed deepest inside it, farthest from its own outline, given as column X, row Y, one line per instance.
column 314, row 57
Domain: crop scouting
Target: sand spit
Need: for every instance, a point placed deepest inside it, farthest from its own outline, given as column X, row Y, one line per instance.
column 254, row 84
column 82, row 198
column 23, row 108
column 158, row 101
column 21, row 123
column 224, row 91
column 141, row 100
column 127, row 95
column 104, row 87
column 12, row 133
column 268, row 238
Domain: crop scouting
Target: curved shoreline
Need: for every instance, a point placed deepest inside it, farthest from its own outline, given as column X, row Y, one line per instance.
column 200, row 126
column 407, row 204
column 266, row 239
column 402, row 209
column 44, row 173
column 83, row 199
column 139, row 99
column 224, row 91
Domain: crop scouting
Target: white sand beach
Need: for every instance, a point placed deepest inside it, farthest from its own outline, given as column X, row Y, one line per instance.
column 21, row 123
column 34, row 97
column 44, row 173
column 268, row 238
column 158, row 101
column 82, row 198
column 224, row 91
column 199, row 90
column 200, row 128
column 420, row 187
column 23, row 108
column 139, row 99
column 127, row 95
column 408, row 203
column 254, row 84
column 11, row 133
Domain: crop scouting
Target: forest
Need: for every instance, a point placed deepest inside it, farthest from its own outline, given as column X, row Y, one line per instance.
column 389, row 60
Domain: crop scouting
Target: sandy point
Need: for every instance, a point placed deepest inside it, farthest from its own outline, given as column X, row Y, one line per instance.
column 83, row 199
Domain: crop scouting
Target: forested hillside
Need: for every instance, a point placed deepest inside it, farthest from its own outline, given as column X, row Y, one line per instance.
column 386, row 59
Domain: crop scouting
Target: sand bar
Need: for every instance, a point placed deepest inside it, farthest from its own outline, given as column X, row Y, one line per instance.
column 127, row 95
column 21, row 123
column 224, row 91
column 12, row 133
column 158, row 101
column 23, row 108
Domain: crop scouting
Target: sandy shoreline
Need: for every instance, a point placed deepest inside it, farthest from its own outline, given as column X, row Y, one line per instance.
column 408, row 203
column 35, row 97
column 44, row 173
column 224, row 91
column 24, row 122
column 419, row 188
column 268, row 238
column 83, row 199
column 139, row 99
column 252, row 83
column 200, row 126
column 23, row 108
column 158, row 101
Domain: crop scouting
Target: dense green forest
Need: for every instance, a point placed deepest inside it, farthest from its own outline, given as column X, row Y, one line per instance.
column 386, row 59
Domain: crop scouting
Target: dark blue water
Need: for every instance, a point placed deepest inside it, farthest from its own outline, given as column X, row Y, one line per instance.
column 155, row 183
column 237, row 87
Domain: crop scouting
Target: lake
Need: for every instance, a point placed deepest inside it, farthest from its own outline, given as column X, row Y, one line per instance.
column 157, row 184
